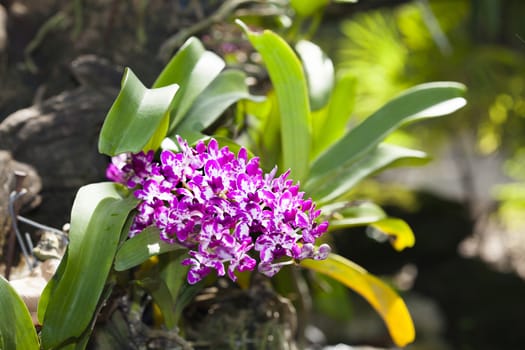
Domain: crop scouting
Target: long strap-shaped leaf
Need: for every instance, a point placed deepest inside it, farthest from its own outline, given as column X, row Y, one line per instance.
column 347, row 214
column 187, row 56
column 288, row 80
column 382, row 298
column 350, row 214
column 206, row 69
column 422, row 101
column 319, row 71
column 341, row 180
column 140, row 248
column 98, row 216
column 16, row 327
column 227, row 88
column 193, row 68
column 400, row 233
column 135, row 116
column 330, row 123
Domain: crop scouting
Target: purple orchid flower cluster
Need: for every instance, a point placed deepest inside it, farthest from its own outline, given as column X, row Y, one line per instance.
column 222, row 208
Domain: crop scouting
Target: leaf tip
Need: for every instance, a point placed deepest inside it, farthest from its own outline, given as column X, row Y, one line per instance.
column 247, row 29
column 241, row 24
column 128, row 73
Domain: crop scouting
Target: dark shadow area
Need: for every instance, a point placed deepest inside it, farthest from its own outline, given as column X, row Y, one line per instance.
column 483, row 308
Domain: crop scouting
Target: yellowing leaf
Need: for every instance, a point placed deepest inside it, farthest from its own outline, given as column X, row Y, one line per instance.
column 381, row 297
column 401, row 234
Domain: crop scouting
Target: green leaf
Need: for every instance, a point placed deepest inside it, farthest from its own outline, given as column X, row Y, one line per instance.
column 266, row 133
column 349, row 214
column 400, row 233
column 422, row 101
column 331, row 123
column 159, row 134
column 331, row 298
column 179, row 68
column 193, row 68
column 161, row 296
column 114, row 335
column 308, row 8
column 288, row 80
column 341, row 180
column 81, row 342
column 319, row 71
column 135, row 116
column 16, row 327
column 228, row 88
column 50, row 287
column 98, row 215
column 205, row 71
column 380, row 296
column 174, row 276
column 141, row 247
column 186, row 295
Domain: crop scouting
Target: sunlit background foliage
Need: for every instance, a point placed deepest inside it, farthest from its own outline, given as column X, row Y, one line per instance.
column 474, row 192
column 476, row 42
column 480, row 152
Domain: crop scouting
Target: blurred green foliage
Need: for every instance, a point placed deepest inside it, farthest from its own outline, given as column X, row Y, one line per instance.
column 479, row 43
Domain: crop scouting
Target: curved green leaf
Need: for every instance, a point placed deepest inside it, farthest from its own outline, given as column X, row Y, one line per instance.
column 161, row 296
column 331, row 298
column 308, row 8
column 205, row 71
column 159, row 134
column 400, row 233
column 331, row 123
column 135, row 116
column 343, row 179
column 380, row 296
column 187, row 56
column 98, row 215
column 50, row 287
column 422, row 101
column 266, row 132
column 288, row 80
column 141, row 247
column 193, row 68
column 349, row 214
column 16, row 327
column 319, row 71
column 228, row 88
column 174, row 276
